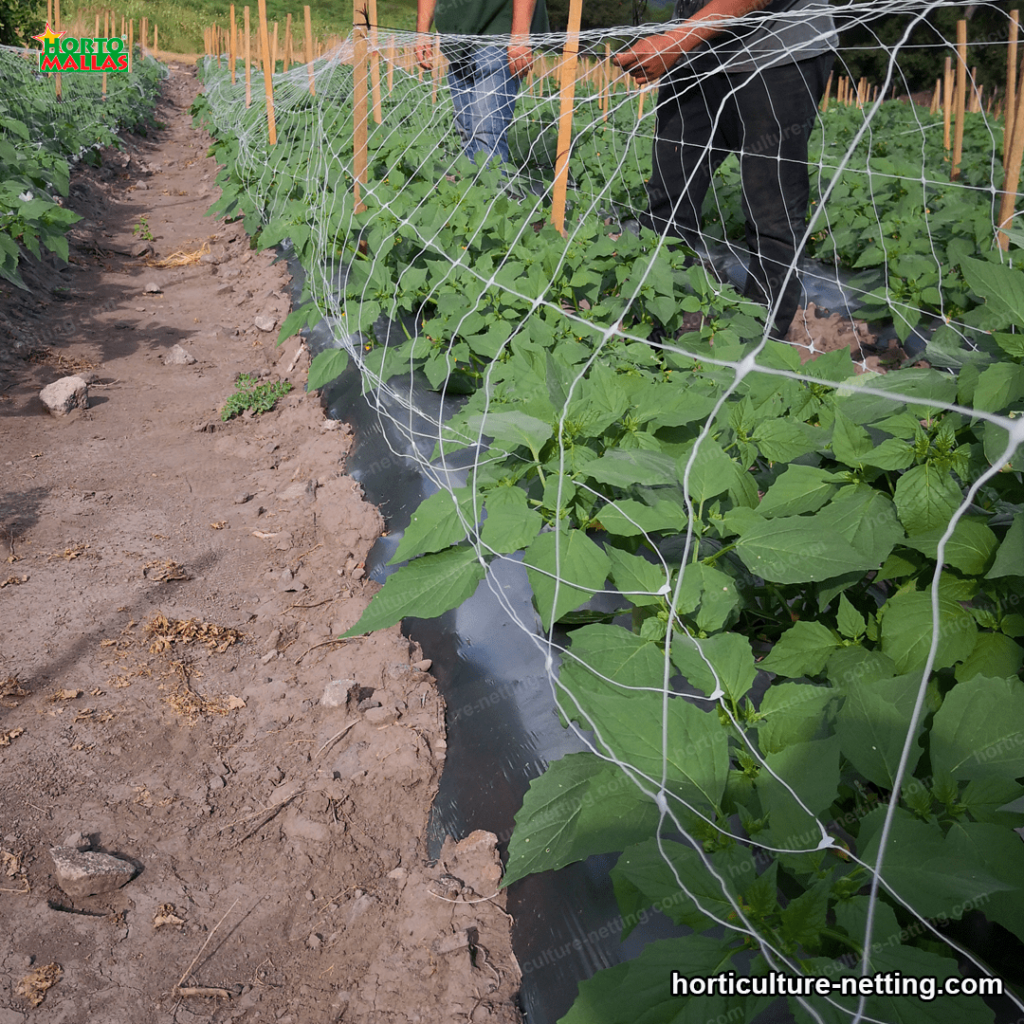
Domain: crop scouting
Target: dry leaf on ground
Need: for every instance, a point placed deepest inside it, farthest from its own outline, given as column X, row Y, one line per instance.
column 7, row 737
column 34, row 986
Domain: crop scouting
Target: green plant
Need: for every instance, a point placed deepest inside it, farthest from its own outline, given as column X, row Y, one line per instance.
column 142, row 230
column 251, row 394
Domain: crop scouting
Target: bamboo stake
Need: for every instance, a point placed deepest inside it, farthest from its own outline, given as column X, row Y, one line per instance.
column 566, row 98
column 233, row 44
column 1007, row 207
column 156, row 39
column 287, row 53
column 975, row 105
column 268, row 76
column 961, row 95
column 359, row 111
column 391, row 64
column 640, row 106
column 131, row 41
column 273, row 52
column 248, row 58
column 309, row 52
column 828, row 94
column 936, row 97
column 1011, row 85
column 374, row 62
column 56, row 28
column 947, row 104
column 106, row 33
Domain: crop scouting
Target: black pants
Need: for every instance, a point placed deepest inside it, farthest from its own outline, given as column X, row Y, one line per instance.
column 766, row 118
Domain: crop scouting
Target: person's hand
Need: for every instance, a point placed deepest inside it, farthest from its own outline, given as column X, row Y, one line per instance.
column 425, row 52
column 648, row 59
column 520, row 57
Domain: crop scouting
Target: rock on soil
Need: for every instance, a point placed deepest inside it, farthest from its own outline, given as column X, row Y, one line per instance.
column 87, row 873
column 179, row 356
column 64, row 395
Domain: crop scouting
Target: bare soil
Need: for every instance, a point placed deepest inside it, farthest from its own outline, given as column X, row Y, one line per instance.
column 171, row 689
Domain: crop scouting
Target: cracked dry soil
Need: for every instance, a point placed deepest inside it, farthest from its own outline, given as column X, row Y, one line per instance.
column 168, row 587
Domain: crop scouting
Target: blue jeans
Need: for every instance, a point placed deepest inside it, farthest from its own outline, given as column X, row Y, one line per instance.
column 483, row 91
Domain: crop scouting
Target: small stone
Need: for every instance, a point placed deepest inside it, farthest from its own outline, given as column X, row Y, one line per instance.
column 152, row 288
column 225, row 289
column 265, row 323
column 310, row 896
column 314, row 942
column 268, row 657
column 275, row 776
column 216, row 782
column 398, row 874
column 142, row 185
column 242, row 497
column 423, row 666
column 368, row 703
column 87, row 874
column 77, row 841
column 209, row 257
column 336, row 693
column 65, row 394
column 178, row 356
column 358, row 572
column 140, row 249
column 381, row 716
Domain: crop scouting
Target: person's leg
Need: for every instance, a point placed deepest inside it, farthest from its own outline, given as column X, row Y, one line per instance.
column 776, row 111
column 460, row 88
column 685, row 155
column 489, row 104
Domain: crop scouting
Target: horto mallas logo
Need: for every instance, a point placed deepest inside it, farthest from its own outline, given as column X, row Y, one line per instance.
column 91, row 55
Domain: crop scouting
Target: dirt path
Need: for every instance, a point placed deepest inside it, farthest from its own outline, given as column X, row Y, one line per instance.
column 169, row 693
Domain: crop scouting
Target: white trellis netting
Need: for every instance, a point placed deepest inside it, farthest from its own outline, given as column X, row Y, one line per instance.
column 703, row 510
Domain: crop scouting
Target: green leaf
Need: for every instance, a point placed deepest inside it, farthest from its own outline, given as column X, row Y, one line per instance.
column 640, row 991
column 849, row 441
column 969, row 549
column 978, row 732
column 425, row 588
column 294, row 322
column 906, row 631
column 865, row 518
column 923, row 868
column 629, row 468
column 512, row 429
column 850, row 621
column 1009, row 560
column 1001, row 853
column 443, row 519
column 799, row 489
column 804, row 918
column 638, row 580
column 325, row 367
column 926, row 498
column 1001, row 287
column 726, row 655
column 580, row 806
column 794, row 549
column 811, row 770
column 783, row 440
column 891, row 454
column 619, row 654
column 791, row 713
column 802, row 650
column 872, row 726
column 999, row 387
column 710, row 473
column 629, row 518
column 565, row 570
column 675, row 880
column 995, row 655
column 718, row 596
column 510, row 524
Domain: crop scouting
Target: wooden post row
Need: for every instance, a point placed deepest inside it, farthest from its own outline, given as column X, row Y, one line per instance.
column 359, row 111
column 233, row 44
column 309, row 52
column 248, row 58
column 566, row 98
column 961, row 94
column 1007, row 207
column 374, row 62
column 1011, row 86
column 268, row 76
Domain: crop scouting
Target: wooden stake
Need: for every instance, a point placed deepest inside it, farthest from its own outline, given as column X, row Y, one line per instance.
column 1011, row 85
column 131, row 41
column 156, row 39
column 248, row 57
column 359, row 112
column 961, row 95
column 936, row 97
column 828, row 94
column 106, row 33
column 640, row 106
column 391, row 64
column 273, row 52
column 435, row 70
column 309, row 52
column 566, row 99
column 233, row 44
column 947, row 104
column 56, row 28
column 268, row 76
column 374, row 62
column 287, row 42
column 1008, row 205
column 975, row 104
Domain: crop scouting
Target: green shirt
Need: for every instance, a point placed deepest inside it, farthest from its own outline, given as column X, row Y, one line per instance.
column 484, row 18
